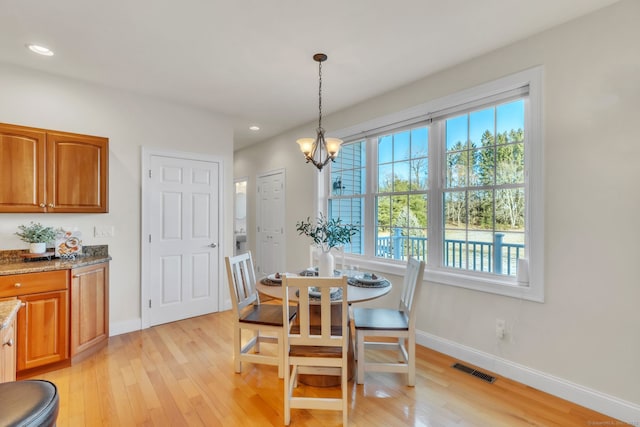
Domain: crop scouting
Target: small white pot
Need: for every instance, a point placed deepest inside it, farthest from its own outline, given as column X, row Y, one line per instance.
column 37, row 248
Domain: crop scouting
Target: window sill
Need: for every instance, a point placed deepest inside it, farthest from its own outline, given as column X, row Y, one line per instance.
column 490, row 284
column 483, row 283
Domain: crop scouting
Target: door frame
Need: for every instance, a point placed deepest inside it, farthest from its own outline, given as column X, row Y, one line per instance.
column 145, row 199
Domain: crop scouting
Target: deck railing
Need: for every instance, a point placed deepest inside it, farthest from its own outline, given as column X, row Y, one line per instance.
column 496, row 257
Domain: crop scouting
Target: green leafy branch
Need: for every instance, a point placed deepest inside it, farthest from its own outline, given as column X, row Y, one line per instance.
column 327, row 232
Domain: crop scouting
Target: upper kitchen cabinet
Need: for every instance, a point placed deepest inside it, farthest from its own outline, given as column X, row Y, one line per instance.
column 22, row 169
column 49, row 171
column 77, row 173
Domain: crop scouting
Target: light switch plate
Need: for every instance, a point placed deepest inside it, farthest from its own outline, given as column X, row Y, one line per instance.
column 103, row 231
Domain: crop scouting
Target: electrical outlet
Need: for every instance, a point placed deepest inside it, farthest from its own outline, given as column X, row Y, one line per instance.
column 501, row 326
column 103, row 231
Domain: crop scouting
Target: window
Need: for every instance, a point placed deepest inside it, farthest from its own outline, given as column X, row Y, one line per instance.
column 460, row 188
column 401, row 197
column 348, row 179
column 483, row 194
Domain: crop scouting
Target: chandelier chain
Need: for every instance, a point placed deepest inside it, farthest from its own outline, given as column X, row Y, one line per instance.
column 319, row 94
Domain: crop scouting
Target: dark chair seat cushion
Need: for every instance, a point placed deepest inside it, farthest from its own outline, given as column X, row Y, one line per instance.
column 266, row 314
column 379, row 318
column 28, row 403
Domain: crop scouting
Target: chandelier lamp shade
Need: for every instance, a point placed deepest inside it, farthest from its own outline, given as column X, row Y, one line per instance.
column 319, row 150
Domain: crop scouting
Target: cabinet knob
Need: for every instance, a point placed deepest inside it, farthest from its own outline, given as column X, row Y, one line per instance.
column 51, row 205
column 42, row 205
column 9, row 343
column 17, row 284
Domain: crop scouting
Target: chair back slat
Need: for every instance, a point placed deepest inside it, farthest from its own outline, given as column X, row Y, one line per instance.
column 242, row 281
column 314, row 331
column 411, row 285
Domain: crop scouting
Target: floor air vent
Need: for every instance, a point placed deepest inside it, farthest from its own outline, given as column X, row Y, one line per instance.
column 466, row 369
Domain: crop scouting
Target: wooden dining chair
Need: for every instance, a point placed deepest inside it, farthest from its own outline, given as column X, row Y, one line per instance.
column 263, row 320
column 398, row 324
column 315, row 345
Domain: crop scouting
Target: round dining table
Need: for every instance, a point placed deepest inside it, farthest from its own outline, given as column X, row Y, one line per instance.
column 356, row 292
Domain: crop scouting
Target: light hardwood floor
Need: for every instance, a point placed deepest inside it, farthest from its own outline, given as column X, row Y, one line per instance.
column 181, row 374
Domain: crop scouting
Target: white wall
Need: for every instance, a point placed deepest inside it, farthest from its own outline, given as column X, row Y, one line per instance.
column 586, row 335
column 130, row 122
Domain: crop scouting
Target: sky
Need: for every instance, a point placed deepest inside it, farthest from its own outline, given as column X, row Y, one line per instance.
column 502, row 118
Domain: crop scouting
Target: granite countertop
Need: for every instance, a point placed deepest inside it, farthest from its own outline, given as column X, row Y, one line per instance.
column 8, row 310
column 11, row 262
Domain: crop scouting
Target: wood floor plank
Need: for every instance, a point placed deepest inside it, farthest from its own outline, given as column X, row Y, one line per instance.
column 182, row 374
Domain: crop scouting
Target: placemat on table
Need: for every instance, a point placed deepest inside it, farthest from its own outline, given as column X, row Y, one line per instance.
column 335, row 295
column 380, row 284
column 314, row 273
column 268, row 282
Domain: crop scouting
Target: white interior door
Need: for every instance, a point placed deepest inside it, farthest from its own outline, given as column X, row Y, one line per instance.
column 183, row 242
column 270, row 222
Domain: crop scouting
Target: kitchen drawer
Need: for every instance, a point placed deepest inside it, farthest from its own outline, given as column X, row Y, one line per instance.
column 31, row 283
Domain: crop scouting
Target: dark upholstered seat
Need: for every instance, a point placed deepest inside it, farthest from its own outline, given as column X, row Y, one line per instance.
column 28, row 403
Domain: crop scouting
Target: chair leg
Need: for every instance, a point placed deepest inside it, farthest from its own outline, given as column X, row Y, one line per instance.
column 361, row 359
column 237, row 348
column 411, row 350
column 256, row 335
column 280, row 345
column 287, row 396
column 345, row 398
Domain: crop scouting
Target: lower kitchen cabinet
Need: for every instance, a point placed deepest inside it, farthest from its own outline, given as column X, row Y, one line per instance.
column 43, row 327
column 8, row 353
column 89, row 308
column 64, row 317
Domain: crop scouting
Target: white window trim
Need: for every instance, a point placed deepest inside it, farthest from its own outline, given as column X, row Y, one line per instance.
column 534, row 177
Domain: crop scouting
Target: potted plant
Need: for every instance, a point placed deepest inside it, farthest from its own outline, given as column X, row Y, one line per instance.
column 326, row 233
column 37, row 235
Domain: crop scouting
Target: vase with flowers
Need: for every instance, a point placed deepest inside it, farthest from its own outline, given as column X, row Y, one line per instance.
column 326, row 233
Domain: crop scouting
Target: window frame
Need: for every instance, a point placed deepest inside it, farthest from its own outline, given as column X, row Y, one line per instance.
column 473, row 98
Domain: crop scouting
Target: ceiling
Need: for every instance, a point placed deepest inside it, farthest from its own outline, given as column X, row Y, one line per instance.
column 251, row 60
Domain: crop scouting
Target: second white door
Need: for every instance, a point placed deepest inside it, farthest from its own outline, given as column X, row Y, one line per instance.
column 270, row 220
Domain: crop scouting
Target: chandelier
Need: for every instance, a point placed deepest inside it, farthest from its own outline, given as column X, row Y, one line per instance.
column 319, row 150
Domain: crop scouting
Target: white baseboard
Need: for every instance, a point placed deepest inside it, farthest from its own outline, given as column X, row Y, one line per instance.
column 117, row 328
column 584, row 396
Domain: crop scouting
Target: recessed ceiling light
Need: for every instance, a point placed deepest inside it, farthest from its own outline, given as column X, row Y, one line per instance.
column 41, row 50
column 254, row 128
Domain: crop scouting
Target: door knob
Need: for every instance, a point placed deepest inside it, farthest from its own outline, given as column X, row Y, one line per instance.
column 213, row 245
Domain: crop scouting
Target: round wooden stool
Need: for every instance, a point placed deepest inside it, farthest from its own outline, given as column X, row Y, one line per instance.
column 28, row 403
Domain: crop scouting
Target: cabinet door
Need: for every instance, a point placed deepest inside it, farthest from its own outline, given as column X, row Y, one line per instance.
column 77, row 173
column 8, row 353
column 43, row 329
column 89, row 307
column 22, row 167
